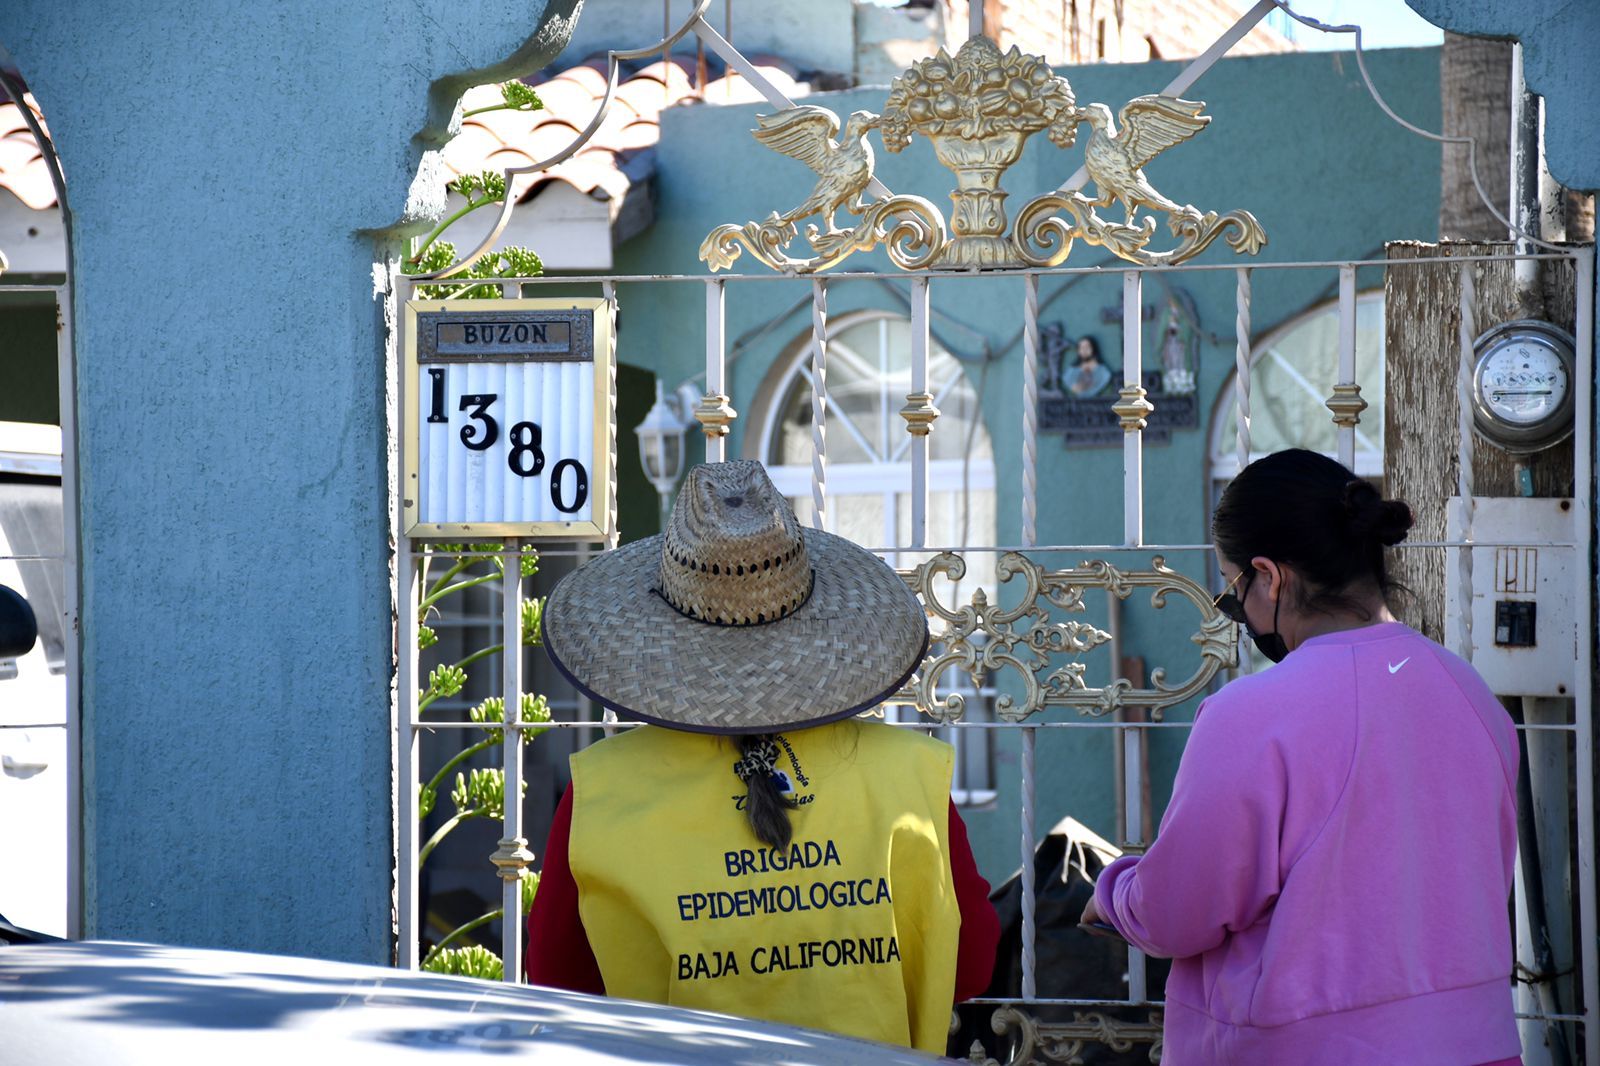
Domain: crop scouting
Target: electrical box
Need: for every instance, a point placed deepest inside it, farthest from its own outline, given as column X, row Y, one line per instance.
column 1524, row 635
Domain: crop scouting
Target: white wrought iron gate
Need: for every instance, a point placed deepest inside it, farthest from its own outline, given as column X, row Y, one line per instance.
column 1031, row 639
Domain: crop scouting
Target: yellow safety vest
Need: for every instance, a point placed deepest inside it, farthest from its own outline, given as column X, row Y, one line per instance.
column 853, row 928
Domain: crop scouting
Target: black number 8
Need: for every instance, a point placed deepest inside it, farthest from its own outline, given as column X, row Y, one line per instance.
column 526, row 437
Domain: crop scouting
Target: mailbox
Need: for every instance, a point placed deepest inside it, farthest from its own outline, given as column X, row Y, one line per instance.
column 509, row 419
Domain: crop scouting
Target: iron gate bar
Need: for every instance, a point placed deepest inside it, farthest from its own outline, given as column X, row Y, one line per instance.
column 1346, row 432
column 1583, row 501
column 1241, row 371
column 579, row 723
column 919, row 412
column 554, row 551
column 1132, row 397
column 1058, row 271
column 1030, row 407
column 408, row 744
column 714, row 408
column 819, row 402
column 1466, row 334
column 608, row 290
column 512, row 857
column 1193, row 72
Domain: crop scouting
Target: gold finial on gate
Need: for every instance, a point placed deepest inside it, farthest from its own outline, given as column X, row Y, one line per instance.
column 977, row 109
column 919, row 413
column 715, row 414
column 512, row 857
column 1132, row 409
column 1346, row 404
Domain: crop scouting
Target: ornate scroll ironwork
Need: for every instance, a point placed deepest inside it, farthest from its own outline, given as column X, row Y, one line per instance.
column 978, row 108
column 909, row 227
column 1065, row 1042
column 982, row 638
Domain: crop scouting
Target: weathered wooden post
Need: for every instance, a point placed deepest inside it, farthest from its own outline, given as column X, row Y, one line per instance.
column 1421, row 307
column 1421, row 464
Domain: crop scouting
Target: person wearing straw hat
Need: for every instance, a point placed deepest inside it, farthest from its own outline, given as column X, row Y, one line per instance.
column 756, row 848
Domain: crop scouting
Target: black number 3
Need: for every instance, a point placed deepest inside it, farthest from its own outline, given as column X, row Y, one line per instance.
column 526, row 437
column 478, row 404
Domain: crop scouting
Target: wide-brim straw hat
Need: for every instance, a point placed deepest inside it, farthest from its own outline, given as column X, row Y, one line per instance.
column 735, row 620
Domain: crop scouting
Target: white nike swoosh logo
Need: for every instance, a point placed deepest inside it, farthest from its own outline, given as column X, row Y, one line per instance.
column 1394, row 668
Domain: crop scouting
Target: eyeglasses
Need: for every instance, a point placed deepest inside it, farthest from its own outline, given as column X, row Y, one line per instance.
column 1231, row 605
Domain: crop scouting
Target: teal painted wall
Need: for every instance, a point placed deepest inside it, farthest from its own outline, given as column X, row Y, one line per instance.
column 1295, row 139
column 227, row 169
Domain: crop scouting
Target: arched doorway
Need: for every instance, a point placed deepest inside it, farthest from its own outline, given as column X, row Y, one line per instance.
column 39, row 766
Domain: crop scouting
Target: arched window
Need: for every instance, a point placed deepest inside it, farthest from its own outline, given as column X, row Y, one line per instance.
column 1292, row 373
column 869, row 474
column 868, row 448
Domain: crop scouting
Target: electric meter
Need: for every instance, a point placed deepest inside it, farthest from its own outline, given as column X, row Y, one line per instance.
column 1522, row 385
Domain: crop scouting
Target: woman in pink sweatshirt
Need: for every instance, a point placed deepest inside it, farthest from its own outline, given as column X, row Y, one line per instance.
column 1332, row 872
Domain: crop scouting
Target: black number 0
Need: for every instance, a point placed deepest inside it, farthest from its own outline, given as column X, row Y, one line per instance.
column 580, row 488
column 526, row 437
column 478, row 405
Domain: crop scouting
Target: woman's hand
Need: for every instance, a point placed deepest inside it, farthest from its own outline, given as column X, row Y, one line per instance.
column 1093, row 923
column 1091, row 914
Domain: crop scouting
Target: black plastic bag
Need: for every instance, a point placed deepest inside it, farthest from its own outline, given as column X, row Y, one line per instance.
column 1069, row 963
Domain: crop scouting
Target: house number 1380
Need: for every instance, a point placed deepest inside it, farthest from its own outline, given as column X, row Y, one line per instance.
column 526, row 457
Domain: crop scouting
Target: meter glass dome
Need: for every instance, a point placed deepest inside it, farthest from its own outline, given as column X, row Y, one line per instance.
column 1522, row 385
column 1524, row 382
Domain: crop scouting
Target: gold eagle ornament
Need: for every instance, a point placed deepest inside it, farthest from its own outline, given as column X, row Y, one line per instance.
column 845, row 166
column 1115, row 158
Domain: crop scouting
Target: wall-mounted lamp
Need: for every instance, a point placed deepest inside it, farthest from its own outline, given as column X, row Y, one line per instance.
column 661, row 441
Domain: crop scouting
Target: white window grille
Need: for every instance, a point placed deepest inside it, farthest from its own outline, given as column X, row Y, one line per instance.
column 1289, row 386
column 869, row 452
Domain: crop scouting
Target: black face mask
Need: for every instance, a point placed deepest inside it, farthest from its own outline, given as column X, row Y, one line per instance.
column 1270, row 644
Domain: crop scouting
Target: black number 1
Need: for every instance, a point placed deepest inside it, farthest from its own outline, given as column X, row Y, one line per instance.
column 436, row 408
column 478, row 404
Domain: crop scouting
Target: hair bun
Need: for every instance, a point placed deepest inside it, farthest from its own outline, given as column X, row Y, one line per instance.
column 1373, row 517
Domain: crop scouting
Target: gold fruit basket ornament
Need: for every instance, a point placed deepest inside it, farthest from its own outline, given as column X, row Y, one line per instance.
column 978, row 109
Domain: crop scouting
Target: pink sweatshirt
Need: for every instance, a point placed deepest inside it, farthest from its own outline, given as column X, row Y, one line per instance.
column 1331, row 875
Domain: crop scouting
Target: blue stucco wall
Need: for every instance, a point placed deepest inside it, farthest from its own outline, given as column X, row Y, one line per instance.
column 1558, row 41
column 227, row 169
column 1296, row 139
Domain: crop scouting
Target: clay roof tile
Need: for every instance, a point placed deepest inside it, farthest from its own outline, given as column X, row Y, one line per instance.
column 22, row 166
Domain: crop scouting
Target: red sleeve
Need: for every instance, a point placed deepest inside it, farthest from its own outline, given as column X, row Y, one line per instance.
column 980, row 925
column 558, row 952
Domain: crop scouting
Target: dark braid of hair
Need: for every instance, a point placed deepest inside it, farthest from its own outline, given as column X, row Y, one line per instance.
column 766, row 808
